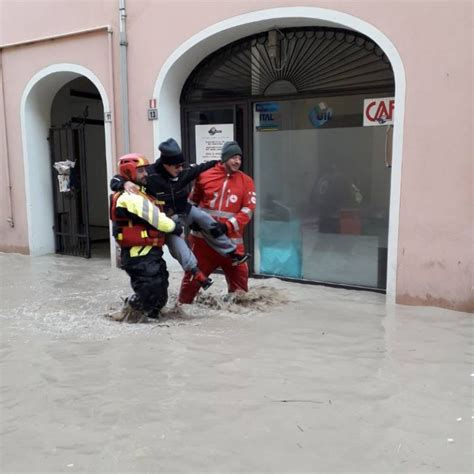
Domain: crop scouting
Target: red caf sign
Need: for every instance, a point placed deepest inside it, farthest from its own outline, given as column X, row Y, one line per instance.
column 378, row 111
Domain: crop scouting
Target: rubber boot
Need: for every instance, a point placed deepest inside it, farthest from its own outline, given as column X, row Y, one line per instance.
column 129, row 314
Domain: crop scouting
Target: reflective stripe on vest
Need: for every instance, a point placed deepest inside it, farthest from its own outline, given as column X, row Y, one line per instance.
column 151, row 213
column 247, row 211
column 140, row 251
column 234, row 223
column 136, row 236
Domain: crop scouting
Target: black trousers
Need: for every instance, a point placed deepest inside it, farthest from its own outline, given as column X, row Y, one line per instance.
column 149, row 280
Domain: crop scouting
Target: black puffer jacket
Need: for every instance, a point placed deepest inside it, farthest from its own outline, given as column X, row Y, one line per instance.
column 173, row 191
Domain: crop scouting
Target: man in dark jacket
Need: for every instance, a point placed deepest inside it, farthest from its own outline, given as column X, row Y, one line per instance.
column 168, row 182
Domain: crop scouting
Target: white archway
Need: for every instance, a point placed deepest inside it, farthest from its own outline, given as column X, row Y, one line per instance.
column 182, row 61
column 35, row 113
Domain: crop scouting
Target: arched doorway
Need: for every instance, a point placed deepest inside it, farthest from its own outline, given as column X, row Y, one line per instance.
column 77, row 146
column 184, row 59
column 294, row 99
column 48, row 104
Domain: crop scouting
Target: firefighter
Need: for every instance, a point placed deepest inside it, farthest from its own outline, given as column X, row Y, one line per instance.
column 168, row 181
column 228, row 195
column 139, row 228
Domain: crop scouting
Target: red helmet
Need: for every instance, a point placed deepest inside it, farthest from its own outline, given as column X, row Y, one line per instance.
column 128, row 165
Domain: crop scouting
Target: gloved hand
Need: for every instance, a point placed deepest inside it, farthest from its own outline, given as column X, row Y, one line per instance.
column 195, row 226
column 178, row 230
column 217, row 229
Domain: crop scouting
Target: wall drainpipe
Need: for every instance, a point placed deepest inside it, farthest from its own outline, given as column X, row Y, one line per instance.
column 112, row 100
column 124, row 77
column 5, row 147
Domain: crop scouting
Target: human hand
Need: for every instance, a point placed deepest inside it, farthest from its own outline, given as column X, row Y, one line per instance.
column 195, row 226
column 217, row 229
column 131, row 188
column 178, row 230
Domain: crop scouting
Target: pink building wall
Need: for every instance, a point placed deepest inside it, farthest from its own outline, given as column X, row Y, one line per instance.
column 433, row 39
column 19, row 65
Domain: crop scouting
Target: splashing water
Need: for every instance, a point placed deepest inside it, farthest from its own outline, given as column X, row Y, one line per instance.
column 260, row 298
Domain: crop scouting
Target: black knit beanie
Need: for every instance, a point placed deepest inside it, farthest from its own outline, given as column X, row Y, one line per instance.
column 229, row 149
column 171, row 153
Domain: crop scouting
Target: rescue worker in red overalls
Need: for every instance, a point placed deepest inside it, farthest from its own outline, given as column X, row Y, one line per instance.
column 139, row 224
column 228, row 195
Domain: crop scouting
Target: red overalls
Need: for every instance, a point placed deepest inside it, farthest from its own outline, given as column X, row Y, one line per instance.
column 228, row 198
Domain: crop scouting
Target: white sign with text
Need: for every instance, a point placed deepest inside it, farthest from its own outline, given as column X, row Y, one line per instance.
column 378, row 111
column 210, row 138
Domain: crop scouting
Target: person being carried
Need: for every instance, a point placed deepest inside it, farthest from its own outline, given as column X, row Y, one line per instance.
column 139, row 228
column 227, row 195
column 168, row 181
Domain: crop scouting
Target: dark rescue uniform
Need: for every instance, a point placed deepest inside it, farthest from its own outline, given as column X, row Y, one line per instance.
column 139, row 224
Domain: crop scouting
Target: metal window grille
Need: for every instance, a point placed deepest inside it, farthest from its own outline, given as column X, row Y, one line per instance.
column 291, row 61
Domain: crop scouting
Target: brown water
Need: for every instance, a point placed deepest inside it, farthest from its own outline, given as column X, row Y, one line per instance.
column 293, row 378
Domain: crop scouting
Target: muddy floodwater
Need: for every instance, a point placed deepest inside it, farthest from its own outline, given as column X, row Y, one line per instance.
column 297, row 378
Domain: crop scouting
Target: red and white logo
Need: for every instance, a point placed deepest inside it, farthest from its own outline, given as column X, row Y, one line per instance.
column 379, row 111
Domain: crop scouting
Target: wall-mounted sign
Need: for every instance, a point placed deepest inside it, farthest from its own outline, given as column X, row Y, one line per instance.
column 152, row 114
column 152, row 110
column 267, row 116
column 64, row 174
column 378, row 111
column 320, row 114
column 210, row 138
column 267, row 107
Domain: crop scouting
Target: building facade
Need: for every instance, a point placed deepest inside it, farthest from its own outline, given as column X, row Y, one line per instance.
column 355, row 119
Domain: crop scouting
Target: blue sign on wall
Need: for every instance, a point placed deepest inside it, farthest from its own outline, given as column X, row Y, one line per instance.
column 267, row 107
column 319, row 115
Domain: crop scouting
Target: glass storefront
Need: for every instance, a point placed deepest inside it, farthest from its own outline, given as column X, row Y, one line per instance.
column 294, row 100
column 323, row 191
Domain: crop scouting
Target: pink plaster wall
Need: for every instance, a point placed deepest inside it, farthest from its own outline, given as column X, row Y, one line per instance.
column 435, row 264
column 23, row 20
column 19, row 66
column 434, row 40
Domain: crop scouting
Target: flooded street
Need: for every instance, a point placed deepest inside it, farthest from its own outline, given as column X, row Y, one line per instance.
column 329, row 381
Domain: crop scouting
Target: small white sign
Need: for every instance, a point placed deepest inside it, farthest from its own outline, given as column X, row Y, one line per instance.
column 209, row 140
column 379, row 111
column 63, row 181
